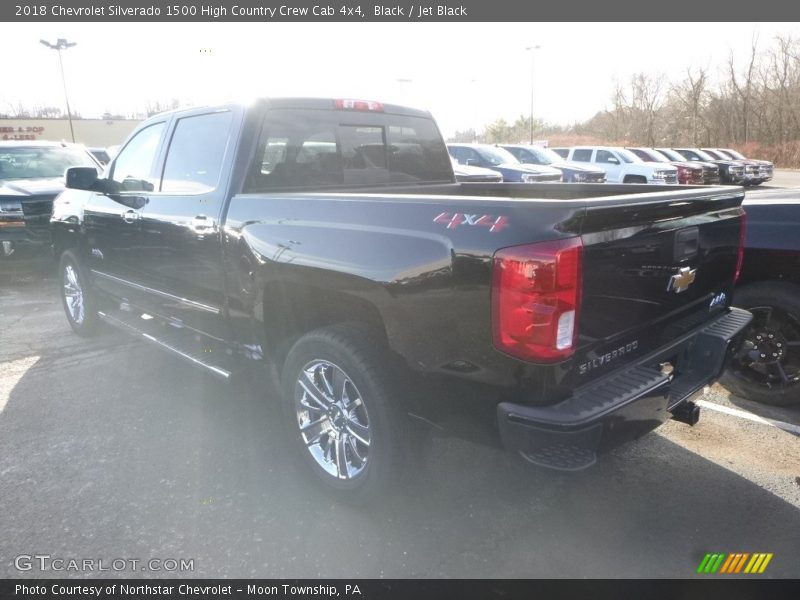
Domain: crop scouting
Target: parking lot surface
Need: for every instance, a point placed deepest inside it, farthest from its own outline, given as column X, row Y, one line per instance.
column 111, row 449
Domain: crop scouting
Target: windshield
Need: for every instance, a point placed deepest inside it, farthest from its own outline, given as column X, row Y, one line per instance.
column 734, row 154
column 628, row 156
column 40, row 163
column 543, row 156
column 704, row 155
column 716, row 154
column 652, row 155
column 671, row 154
column 496, row 156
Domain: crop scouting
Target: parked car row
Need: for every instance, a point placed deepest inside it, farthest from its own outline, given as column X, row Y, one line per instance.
column 621, row 165
column 501, row 161
column 598, row 164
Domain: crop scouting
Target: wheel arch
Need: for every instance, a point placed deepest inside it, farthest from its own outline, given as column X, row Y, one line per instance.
column 290, row 309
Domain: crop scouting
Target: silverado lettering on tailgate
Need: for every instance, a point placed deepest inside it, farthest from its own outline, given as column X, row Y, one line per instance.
column 608, row 357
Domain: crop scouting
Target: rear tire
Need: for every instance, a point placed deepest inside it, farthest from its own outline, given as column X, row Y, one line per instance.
column 767, row 368
column 340, row 410
column 77, row 297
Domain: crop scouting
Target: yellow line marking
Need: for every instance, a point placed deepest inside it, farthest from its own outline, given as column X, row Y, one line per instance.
column 751, row 563
column 766, row 562
column 757, row 564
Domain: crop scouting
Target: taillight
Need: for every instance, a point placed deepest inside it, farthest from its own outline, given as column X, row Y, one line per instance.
column 366, row 105
column 740, row 255
column 536, row 291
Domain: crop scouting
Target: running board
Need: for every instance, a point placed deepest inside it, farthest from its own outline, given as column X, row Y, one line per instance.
column 198, row 359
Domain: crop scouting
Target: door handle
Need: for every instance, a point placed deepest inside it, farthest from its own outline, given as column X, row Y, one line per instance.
column 130, row 216
column 202, row 222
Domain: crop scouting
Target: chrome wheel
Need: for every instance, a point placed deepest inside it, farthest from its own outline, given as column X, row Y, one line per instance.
column 332, row 419
column 73, row 295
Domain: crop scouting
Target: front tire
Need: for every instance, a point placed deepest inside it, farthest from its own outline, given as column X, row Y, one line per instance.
column 340, row 410
column 767, row 368
column 77, row 296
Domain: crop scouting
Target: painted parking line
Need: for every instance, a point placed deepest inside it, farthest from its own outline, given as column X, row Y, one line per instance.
column 791, row 428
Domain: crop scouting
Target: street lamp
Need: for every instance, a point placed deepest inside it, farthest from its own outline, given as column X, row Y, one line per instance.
column 532, row 49
column 62, row 44
column 404, row 83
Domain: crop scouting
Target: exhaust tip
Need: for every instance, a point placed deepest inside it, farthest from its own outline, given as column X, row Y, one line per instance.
column 686, row 412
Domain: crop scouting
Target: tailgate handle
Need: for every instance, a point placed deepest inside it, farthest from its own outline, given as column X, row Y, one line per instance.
column 687, row 243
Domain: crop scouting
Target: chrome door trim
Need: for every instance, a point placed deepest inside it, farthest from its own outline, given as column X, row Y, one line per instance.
column 149, row 290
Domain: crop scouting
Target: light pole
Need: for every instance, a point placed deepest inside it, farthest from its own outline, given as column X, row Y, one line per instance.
column 532, row 50
column 62, row 44
column 404, row 82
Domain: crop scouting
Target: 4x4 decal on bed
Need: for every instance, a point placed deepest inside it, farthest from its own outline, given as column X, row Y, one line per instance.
column 453, row 220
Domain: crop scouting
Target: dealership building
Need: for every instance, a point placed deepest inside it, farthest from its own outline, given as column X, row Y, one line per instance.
column 91, row 132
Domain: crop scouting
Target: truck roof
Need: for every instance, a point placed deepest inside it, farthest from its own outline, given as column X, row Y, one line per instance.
column 306, row 103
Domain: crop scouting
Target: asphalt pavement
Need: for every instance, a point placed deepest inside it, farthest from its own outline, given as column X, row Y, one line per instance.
column 112, row 450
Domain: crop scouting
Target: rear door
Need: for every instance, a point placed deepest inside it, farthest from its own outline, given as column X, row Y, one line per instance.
column 112, row 220
column 181, row 257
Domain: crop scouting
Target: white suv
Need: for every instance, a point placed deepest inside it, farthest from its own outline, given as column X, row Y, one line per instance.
column 621, row 165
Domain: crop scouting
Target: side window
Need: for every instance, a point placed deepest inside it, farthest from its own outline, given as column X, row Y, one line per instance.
column 194, row 158
column 133, row 166
column 562, row 152
column 457, row 153
column 582, row 154
column 606, row 157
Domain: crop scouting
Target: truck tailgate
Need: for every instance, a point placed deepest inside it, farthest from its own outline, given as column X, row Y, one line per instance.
column 653, row 269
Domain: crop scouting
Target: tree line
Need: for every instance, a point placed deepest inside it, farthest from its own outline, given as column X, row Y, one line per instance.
column 752, row 104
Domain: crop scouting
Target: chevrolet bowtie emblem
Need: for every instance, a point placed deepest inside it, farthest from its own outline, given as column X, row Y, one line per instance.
column 681, row 280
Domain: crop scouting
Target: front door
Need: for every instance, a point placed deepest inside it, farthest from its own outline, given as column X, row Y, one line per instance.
column 610, row 164
column 112, row 220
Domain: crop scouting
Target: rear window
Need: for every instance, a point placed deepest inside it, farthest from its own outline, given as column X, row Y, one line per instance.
column 325, row 149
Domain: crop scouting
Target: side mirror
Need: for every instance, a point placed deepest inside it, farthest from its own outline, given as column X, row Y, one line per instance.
column 472, row 162
column 81, row 178
column 612, row 160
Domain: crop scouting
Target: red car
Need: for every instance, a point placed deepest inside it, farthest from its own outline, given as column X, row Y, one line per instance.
column 688, row 173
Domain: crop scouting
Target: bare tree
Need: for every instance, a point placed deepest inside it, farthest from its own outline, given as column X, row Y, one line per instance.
column 692, row 94
column 743, row 86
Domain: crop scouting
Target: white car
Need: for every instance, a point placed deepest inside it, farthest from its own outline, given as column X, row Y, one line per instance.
column 621, row 165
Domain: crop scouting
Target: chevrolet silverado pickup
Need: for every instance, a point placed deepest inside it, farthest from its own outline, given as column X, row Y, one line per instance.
column 767, row 367
column 730, row 171
column 766, row 167
column 622, row 166
column 327, row 242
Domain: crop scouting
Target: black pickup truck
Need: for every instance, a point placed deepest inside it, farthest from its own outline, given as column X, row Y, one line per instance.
column 328, row 241
column 767, row 367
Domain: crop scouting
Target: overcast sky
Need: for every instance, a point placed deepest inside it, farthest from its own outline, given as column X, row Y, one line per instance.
column 465, row 74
